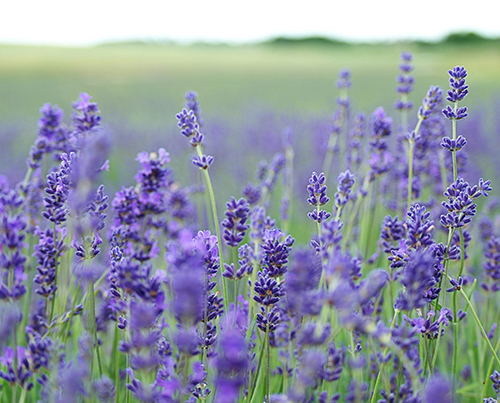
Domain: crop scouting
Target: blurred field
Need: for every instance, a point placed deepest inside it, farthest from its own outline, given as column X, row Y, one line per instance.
column 248, row 94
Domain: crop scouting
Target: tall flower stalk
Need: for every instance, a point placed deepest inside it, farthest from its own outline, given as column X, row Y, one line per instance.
column 189, row 128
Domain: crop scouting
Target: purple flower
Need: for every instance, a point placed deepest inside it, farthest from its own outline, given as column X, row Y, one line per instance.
column 419, row 228
column 460, row 207
column 417, row 277
column 317, row 197
column 346, row 182
column 192, row 104
column 430, row 101
column 203, row 162
column 457, row 83
column 49, row 248
column 275, row 252
column 405, row 82
column 57, row 190
column 391, row 233
column 232, row 366
column 492, row 264
column 234, row 224
column 86, row 115
column 186, row 120
column 438, row 389
column 453, row 145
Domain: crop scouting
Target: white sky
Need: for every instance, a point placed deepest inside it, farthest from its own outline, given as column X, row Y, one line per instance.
column 82, row 22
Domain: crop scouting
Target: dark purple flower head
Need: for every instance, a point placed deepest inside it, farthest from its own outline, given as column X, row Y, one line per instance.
column 268, row 290
column 430, row 101
column 234, row 224
column 275, row 252
column 152, row 174
column 417, row 278
column 392, row 231
column 203, row 162
column 492, row 254
column 419, row 228
column 186, row 120
column 460, row 205
column 381, row 125
column 453, row 145
column 457, row 83
column 458, row 114
column 86, row 116
column 58, row 189
column 317, row 194
column 345, row 184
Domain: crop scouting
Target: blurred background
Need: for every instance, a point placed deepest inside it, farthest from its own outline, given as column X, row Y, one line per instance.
column 258, row 69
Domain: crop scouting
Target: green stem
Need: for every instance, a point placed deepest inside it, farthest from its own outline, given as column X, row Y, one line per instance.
column 93, row 327
column 22, row 398
column 253, row 386
column 478, row 321
column 268, row 365
column 217, row 229
column 489, row 372
column 382, row 365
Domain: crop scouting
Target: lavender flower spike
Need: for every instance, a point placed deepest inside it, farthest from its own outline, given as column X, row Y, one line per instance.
column 235, row 225
column 317, row 197
column 430, row 101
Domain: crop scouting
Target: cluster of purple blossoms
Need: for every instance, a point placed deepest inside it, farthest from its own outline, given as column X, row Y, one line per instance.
column 51, row 135
column 86, row 117
column 457, row 93
column 405, row 82
column 429, row 328
column 190, row 128
column 418, row 279
column 12, row 241
column 460, row 205
column 431, row 100
column 57, row 191
column 492, row 264
column 346, row 182
column 192, row 104
column 317, row 197
column 392, row 231
column 380, row 158
column 234, row 224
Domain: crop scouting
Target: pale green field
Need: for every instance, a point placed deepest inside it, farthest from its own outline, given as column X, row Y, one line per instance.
column 146, row 83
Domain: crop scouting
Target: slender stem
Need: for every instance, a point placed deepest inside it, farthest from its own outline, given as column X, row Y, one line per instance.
column 268, row 364
column 382, row 365
column 53, row 302
column 489, row 371
column 478, row 321
column 217, row 229
column 253, row 386
column 22, row 398
column 93, row 327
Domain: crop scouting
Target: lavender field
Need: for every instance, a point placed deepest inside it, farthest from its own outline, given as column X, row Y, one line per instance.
column 249, row 224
